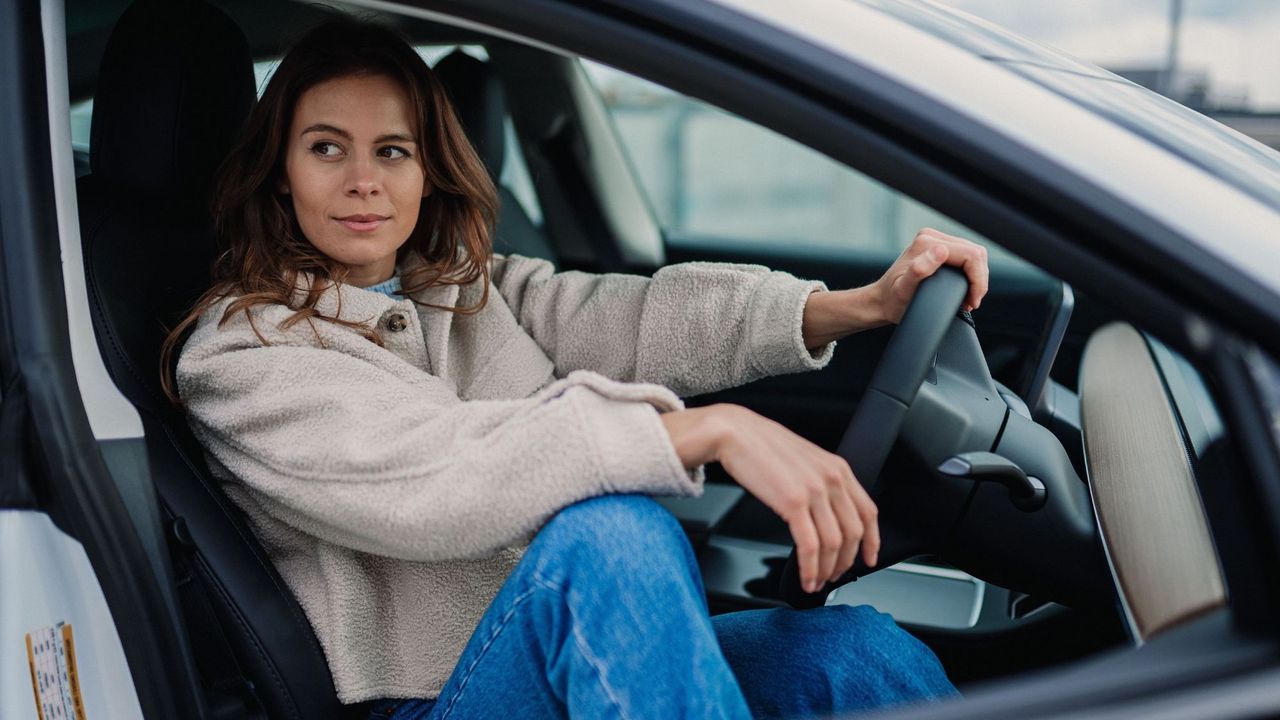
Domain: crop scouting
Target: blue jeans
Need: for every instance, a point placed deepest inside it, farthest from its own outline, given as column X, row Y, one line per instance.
column 605, row 617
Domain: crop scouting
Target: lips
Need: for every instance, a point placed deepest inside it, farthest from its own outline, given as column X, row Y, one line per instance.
column 362, row 223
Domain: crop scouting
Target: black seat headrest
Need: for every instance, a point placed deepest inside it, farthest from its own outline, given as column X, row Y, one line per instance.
column 481, row 106
column 175, row 86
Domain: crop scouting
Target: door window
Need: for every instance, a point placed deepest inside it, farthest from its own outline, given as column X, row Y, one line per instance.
column 715, row 180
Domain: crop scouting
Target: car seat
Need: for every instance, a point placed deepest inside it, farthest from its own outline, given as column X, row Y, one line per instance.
column 481, row 105
column 175, row 85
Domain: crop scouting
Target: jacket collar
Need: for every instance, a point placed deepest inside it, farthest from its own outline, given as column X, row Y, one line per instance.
column 357, row 305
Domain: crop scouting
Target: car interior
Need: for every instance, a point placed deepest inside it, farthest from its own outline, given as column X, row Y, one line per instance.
column 1020, row 394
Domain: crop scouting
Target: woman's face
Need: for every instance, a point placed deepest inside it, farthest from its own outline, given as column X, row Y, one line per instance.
column 353, row 172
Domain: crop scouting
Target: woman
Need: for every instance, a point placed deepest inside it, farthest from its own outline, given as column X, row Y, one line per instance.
column 446, row 453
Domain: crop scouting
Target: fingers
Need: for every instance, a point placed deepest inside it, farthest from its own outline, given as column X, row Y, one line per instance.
column 871, row 546
column 974, row 264
column 921, row 266
column 806, row 537
column 842, row 517
column 831, row 538
column 829, row 529
column 970, row 257
column 851, row 526
column 862, row 526
column 829, row 514
column 870, row 515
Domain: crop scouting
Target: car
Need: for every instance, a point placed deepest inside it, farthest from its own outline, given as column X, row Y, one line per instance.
column 1079, row 482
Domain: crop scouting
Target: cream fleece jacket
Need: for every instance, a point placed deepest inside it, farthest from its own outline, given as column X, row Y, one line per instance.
column 395, row 487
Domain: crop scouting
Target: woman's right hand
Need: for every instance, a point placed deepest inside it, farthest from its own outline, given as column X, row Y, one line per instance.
column 814, row 491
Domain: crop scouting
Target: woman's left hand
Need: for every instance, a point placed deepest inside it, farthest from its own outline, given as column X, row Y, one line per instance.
column 830, row 316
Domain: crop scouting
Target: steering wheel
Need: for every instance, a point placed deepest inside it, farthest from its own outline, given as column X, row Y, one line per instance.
column 881, row 412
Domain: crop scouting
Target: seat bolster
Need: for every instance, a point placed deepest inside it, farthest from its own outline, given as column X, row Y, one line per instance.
column 270, row 636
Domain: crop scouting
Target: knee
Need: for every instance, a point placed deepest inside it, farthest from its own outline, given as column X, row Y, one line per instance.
column 832, row 660
column 614, row 531
column 868, row 648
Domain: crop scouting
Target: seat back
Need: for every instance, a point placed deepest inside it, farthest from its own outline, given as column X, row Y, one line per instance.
column 175, row 86
column 478, row 98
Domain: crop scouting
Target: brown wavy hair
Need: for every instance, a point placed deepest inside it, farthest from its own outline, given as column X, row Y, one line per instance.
column 265, row 252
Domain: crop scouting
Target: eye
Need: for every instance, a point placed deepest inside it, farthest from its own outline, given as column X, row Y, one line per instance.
column 393, row 152
column 324, row 148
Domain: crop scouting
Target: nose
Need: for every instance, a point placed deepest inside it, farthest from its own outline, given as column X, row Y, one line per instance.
column 362, row 179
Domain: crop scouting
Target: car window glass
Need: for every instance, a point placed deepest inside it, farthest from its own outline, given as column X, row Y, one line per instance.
column 514, row 175
column 717, row 180
column 81, row 119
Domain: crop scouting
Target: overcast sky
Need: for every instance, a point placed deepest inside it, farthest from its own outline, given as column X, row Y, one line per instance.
column 1236, row 41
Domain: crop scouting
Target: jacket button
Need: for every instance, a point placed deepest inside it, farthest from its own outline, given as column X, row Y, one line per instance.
column 397, row 322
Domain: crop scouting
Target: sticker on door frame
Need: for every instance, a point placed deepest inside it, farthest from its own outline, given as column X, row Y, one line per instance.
column 55, row 677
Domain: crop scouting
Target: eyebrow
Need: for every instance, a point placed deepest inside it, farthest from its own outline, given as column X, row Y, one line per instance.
column 390, row 137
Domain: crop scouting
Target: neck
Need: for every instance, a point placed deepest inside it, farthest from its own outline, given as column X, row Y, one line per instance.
column 366, row 275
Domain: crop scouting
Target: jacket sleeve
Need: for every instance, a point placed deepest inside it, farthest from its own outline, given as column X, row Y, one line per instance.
column 693, row 327
column 349, row 452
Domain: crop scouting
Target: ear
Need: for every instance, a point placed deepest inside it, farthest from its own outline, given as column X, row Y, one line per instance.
column 426, row 189
column 282, row 186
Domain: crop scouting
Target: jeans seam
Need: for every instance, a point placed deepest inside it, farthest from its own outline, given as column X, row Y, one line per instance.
column 493, row 636
column 581, row 642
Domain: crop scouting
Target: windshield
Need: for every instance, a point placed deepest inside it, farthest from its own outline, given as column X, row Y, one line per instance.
column 1215, row 148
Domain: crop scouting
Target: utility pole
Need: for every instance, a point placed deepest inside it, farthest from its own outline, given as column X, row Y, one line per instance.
column 1171, row 61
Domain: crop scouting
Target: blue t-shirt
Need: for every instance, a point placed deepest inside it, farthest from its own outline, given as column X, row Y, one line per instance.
column 388, row 287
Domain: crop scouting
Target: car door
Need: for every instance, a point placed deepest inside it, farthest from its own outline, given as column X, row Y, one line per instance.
column 966, row 167
column 87, row 624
